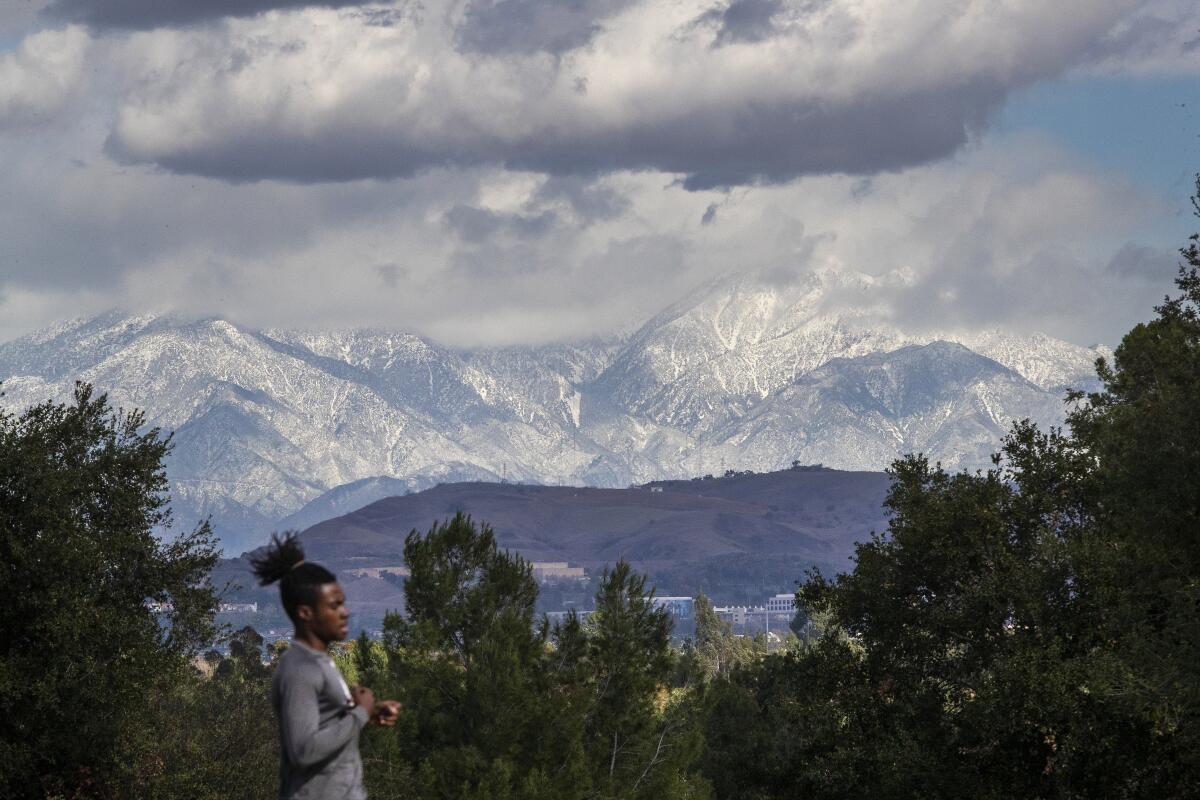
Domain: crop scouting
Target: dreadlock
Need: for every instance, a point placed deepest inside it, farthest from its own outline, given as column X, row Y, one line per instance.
column 299, row 581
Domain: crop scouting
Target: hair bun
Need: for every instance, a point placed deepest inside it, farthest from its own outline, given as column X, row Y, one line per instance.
column 282, row 555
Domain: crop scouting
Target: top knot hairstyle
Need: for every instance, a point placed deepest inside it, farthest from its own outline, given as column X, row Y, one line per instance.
column 300, row 581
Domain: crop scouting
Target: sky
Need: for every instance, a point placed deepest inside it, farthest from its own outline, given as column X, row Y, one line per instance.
column 490, row 172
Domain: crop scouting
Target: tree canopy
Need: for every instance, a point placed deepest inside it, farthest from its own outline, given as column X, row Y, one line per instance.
column 82, row 499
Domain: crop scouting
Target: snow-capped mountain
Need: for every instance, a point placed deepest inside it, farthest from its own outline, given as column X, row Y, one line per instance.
column 940, row 399
column 740, row 375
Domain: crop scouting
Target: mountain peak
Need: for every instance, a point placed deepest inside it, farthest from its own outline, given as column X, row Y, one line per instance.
column 749, row 372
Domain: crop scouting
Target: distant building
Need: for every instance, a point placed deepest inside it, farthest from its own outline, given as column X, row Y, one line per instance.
column 656, row 488
column 239, row 608
column 681, row 608
column 378, row 572
column 750, row 620
column 556, row 570
column 781, row 604
column 738, row 616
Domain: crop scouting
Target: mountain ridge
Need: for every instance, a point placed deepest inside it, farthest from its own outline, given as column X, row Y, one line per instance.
column 738, row 375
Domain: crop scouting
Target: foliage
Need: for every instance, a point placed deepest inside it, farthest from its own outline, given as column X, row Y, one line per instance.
column 639, row 739
column 1028, row 631
column 82, row 493
column 498, row 706
column 717, row 650
column 386, row 773
column 482, row 715
column 210, row 734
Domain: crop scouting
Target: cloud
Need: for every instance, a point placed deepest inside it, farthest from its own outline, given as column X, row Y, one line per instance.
column 144, row 15
column 795, row 87
column 1161, row 38
column 1043, row 249
column 1152, row 264
column 473, row 224
column 744, row 20
column 588, row 201
column 532, row 26
column 41, row 76
column 1009, row 234
column 365, row 166
column 17, row 18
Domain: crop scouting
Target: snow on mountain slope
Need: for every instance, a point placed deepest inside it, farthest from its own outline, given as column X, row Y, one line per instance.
column 728, row 346
column 743, row 374
column 1042, row 360
column 259, row 430
column 711, row 358
column 940, row 399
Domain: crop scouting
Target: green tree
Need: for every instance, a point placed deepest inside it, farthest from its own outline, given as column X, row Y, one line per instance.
column 387, row 773
column 482, row 714
column 718, row 651
column 1141, row 557
column 208, row 736
column 641, row 737
column 82, row 494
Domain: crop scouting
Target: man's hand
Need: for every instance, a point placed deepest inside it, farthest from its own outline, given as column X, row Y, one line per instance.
column 386, row 713
column 364, row 697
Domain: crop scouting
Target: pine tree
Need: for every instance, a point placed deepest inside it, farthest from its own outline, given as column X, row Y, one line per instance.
column 640, row 738
column 482, row 715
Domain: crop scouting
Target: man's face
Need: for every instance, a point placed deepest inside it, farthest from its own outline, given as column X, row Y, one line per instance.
column 329, row 620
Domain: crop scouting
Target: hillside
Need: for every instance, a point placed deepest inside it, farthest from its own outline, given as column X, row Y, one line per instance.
column 812, row 515
column 736, row 538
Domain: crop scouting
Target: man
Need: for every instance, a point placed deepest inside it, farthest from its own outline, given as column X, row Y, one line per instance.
column 320, row 717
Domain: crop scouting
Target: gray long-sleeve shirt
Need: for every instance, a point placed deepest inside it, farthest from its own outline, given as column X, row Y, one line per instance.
column 318, row 729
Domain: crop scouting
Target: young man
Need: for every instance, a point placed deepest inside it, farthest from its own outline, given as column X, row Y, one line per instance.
column 319, row 715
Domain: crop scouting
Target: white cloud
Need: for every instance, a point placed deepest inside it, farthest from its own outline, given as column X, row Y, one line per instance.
column 41, row 75
column 1162, row 38
column 1009, row 234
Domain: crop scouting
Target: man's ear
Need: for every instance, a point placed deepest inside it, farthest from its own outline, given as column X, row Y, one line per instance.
column 305, row 613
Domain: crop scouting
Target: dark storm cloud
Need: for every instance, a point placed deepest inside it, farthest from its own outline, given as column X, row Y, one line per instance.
column 149, row 14
column 530, row 26
column 712, row 148
column 716, row 148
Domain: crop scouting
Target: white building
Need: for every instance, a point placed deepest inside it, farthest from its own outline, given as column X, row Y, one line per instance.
column 782, row 604
column 239, row 608
column 555, row 570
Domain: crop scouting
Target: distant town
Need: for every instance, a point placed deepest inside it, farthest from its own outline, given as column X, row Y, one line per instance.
column 563, row 588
